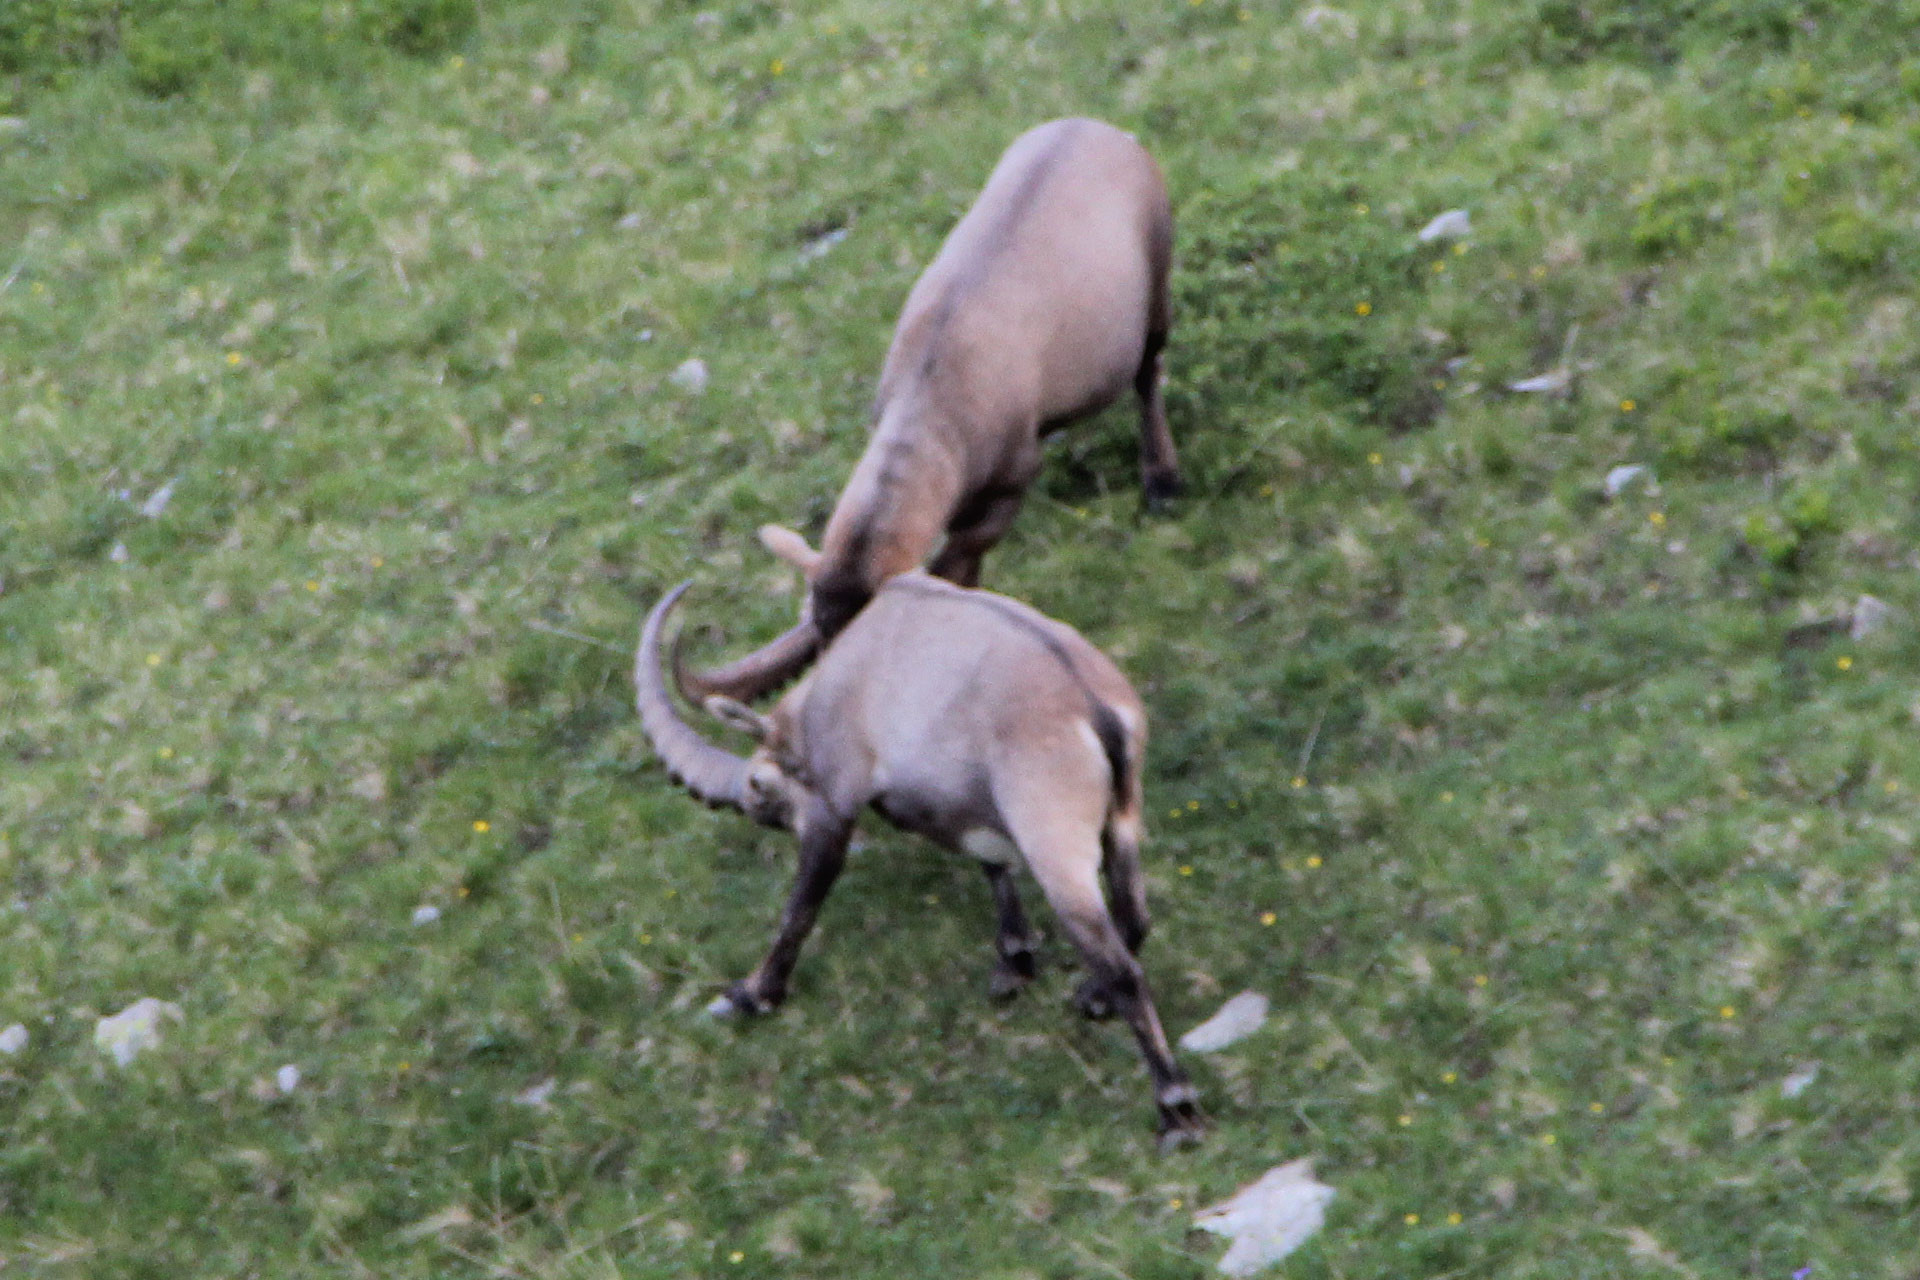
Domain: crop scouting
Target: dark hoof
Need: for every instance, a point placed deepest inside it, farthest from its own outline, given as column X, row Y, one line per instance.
column 1015, row 970
column 1181, row 1123
column 1187, row 1133
column 1093, row 1001
column 737, row 1002
column 1006, row 982
column 1160, row 488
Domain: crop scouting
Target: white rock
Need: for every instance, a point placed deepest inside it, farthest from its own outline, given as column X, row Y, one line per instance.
column 13, row 1039
column 690, row 376
column 158, row 500
column 822, row 245
column 1238, row 1018
column 1321, row 16
column 1551, row 381
column 1798, row 1082
column 119, row 553
column 1454, row 224
column 287, row 1078
column 426, row 915
column 536, row 1094
column 1622, row 476
column 1869, row 615
column 632, row 221
column 135, row 1029
column 1268, row 1219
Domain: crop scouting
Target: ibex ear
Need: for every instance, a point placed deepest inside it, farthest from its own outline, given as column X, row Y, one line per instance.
column 789, row 546
column 738, row 715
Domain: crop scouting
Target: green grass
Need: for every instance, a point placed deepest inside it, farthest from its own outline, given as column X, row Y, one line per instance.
column 1576, row 833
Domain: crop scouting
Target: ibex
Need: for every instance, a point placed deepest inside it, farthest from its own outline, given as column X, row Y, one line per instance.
column 1047, row 301
column 974, row 721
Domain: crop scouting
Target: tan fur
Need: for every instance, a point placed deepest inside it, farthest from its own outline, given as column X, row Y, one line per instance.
column 1047, row 302
column 982, row 725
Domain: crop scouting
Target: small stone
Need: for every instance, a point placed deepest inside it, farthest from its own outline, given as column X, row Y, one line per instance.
column 822, row 245
column 119, row 554
column 1798, row 1082
column 536, row 1095
column 1869, row 615
column 1238, row 1018
column 13, row 1040
column 690, row 376
column 157, row 501
column 127, row 1034
column 1622, row 476
column 1268, row 1219
column 1454, row 224
column 287, row 1078
column 426, row 915
column 1549, row 383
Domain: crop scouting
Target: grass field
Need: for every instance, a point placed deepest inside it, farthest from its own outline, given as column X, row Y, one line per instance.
column 1562, row 827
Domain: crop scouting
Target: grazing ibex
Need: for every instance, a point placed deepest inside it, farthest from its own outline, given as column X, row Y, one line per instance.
column 978, row 723
column 1047, row 301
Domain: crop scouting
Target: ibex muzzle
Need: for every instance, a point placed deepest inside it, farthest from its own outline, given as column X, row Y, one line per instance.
column 1046, row 303
column 980, row 724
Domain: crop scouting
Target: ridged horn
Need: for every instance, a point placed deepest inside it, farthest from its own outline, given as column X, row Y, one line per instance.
column 759, row 673
column 714, row 776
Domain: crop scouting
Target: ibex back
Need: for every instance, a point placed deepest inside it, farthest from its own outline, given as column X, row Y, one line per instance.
column 1046, row 303
column 980, row 724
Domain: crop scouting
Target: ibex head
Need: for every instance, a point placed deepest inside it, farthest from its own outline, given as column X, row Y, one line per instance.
column 766, row 786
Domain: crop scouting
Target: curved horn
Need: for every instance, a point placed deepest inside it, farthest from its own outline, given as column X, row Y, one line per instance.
column 760, row 672
column 714, row 776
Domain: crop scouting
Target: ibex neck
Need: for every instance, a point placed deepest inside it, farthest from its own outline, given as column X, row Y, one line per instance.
column 899, row 499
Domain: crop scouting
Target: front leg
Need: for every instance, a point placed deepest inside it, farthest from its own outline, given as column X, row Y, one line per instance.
column 979, row 525
column 1015, row 939
column 823, row 851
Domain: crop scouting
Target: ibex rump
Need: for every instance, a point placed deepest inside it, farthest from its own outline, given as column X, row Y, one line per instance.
column 1046, row 303
column 980, row 724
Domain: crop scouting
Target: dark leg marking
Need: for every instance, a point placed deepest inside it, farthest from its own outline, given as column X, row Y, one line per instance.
column 1015, row 940
column 1125, row 986
column 823, row 851
column 1159, row 465
column 974, row 531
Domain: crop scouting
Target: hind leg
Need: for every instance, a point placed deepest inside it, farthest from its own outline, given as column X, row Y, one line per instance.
column 1016, row 940
column 1159, row 466
column 1065, row 855
column 1126, row 901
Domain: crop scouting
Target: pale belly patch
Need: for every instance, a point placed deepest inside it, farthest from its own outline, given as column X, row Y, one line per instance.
column 989, row 846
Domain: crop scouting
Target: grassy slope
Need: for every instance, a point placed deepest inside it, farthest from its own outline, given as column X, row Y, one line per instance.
column 1573, row 844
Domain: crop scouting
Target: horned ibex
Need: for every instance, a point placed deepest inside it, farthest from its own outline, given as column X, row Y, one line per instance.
column 1047, row 301
column 978, row 723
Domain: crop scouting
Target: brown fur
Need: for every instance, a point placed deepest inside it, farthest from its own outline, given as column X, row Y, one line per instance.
column 980, row 724
column 1047, row 302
